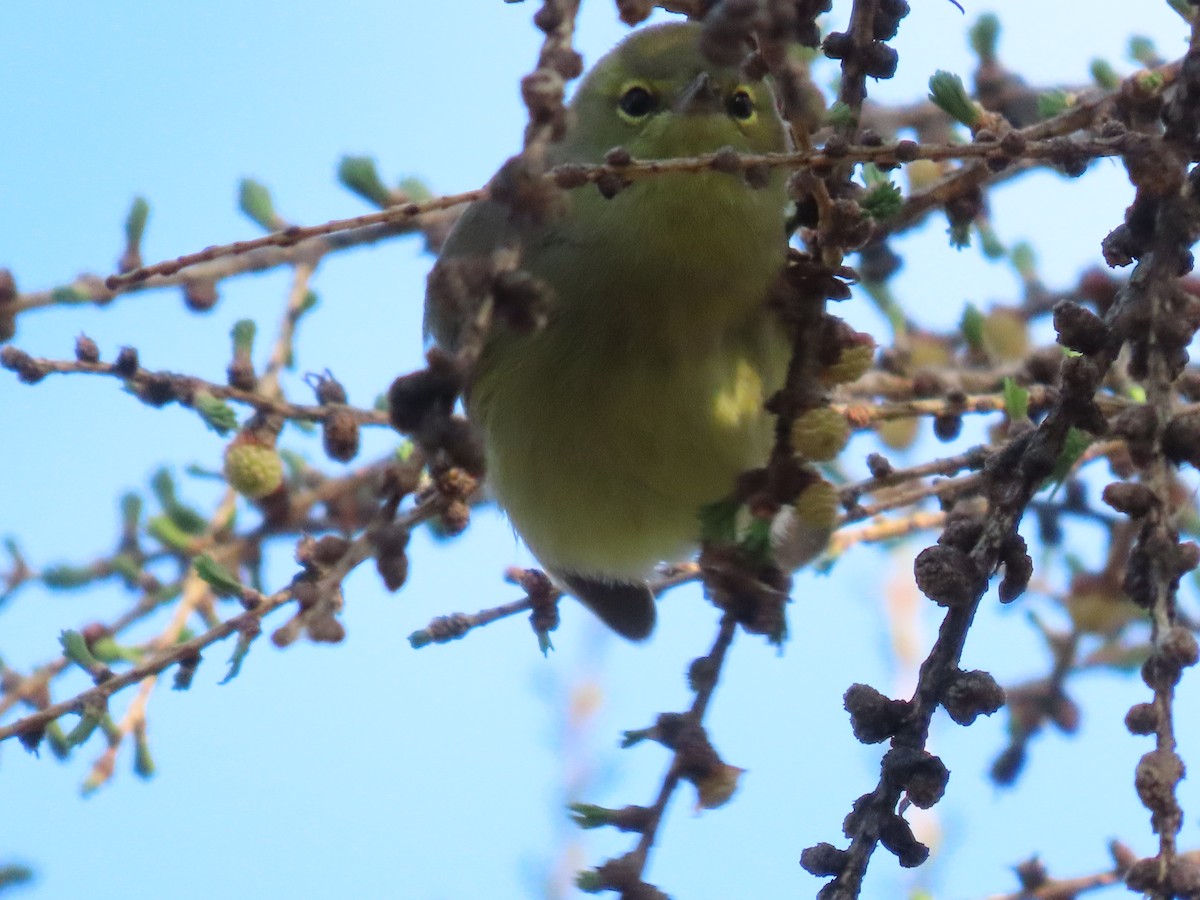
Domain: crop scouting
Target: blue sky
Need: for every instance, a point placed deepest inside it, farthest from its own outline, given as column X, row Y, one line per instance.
column 367, row 768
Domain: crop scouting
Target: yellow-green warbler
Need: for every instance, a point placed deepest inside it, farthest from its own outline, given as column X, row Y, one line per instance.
column 641, row 399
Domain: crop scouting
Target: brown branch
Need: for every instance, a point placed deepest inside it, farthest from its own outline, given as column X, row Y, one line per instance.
column 91, row 288
column 1047, row 136
column 443, row 629
column 975, row 458
column 576, row 176
column 950, row 488
column 33, row 724
column 715, row 662
column 404, row 215
column 963, row 566
column 247, row 621
column 163, row 387
column 1156, row 561
column 883, row 530
column 1065, row 888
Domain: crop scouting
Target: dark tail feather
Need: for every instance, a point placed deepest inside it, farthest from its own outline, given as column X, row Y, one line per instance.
column 625, row 607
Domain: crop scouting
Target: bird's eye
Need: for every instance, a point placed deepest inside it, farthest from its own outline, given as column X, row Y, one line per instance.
column 637, row 102
column 741, row 105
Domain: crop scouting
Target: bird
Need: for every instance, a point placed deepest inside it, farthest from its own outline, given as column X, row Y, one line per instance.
column 640, row 400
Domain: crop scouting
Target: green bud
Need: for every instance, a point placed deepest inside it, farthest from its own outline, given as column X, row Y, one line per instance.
column 415, row 189
column 254, row 200
column 636, row 736
column 544, row 642
column 1016, row 401
column 56, row 739
column 1074, row 447
column 984, row 35
column 756, row 542
column 219, row 578
column 66, row 576
column 14, row 874
column 419, row 639
column 947, row 93
column 358, row 174
column 971, row 326
column 1150, row 82
column 989, row 241
column 1105, row 75
column 309, row 303
column 216, row 413
column 1141, row 51
column 126, row 566
column 110, row 729
column 195, row 470
column 873, row 175
column 187, row 519
column 68, row 293
column 882, row 201
column 718, row 522
column 109, row 651
column 839, row 115
column 162, row 484
column 1053, row 103
column 588, row 815
column 135, row 222
column 143, row 762
column 75, row 648
column 89, row 718
column 589, row 880
column 240, row 651
column 1024, row 260
column 243, row 333
column 960, row 235
column 131, row 511
column 166, row 532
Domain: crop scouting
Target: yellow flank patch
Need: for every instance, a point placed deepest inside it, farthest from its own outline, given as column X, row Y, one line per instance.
column 741, row 399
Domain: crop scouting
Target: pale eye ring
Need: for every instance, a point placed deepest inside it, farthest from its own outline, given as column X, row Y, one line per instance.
column 637, row 102
column 740, row 105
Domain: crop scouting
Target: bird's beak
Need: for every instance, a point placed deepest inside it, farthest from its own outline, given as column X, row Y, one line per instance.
column 700, row 96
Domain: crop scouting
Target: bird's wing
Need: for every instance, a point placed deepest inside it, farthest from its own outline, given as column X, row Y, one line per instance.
column 481, row 229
